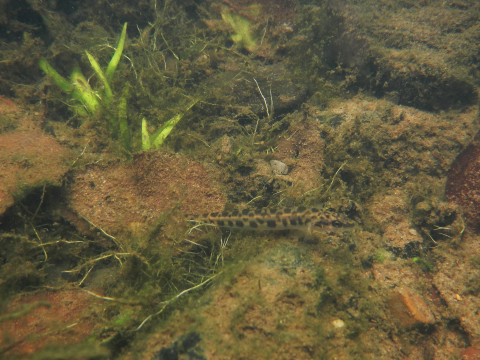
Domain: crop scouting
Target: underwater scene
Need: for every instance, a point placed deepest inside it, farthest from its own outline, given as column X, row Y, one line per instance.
column 239, row 179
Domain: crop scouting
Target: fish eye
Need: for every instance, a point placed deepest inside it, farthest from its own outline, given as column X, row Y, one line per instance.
column 337, row 224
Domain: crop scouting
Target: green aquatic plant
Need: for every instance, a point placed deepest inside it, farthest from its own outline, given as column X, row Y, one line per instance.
column 243, row 28
column 156, row 139
column 380, row 256
column 93, row 102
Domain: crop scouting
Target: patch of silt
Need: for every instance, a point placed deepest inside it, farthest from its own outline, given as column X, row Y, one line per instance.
column 128, row 199
column 395, row 162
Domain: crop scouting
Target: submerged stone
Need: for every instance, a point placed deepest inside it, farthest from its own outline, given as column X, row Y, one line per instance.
column 278, row 167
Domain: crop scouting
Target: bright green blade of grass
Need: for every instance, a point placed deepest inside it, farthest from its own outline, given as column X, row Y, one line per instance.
column 108, row 91
column 82, row 91
column 158, row 138
column 59, row 80
column 112, row 65
column 145, row 137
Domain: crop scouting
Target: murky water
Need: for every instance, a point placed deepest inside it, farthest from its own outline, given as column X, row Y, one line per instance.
column 119, row 118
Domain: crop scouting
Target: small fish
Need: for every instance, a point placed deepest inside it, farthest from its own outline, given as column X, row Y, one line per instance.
column 309, row 220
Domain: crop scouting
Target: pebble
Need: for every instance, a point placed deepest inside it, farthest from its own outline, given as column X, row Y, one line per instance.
column 409, row 308
column 278, row 167
column 338, row 323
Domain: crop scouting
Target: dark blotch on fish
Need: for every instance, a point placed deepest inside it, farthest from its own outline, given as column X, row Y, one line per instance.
column 271, row 223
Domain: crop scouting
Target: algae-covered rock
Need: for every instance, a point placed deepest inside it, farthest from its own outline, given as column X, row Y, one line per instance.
column 422, row 56
column 463, row 183
column 28, row 157
column 61, row 318
column 282, row 304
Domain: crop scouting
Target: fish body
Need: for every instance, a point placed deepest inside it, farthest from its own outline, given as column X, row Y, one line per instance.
column 309, row 220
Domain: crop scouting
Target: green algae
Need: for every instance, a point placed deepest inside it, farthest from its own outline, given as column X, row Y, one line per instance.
column 123, row 319
column 381, row 256
column 424, row 263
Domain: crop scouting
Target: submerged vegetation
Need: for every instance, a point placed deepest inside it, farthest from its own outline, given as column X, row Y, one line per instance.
column 156, row 140
column 100, row 102
column 208, row 96
column 97, row 102
column 79, row 88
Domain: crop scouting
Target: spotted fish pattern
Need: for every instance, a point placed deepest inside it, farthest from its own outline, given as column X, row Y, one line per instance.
column 309, row 220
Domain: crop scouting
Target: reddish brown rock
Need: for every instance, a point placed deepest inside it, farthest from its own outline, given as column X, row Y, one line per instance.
column 28, row 157
column 409, row 308
column 471, row 353
column 53, row 318
column 463, row 183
